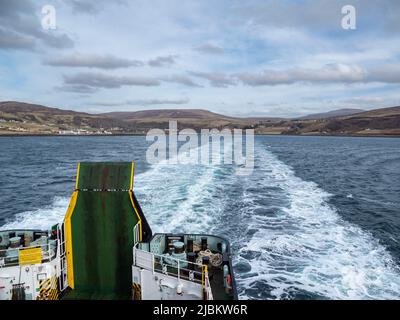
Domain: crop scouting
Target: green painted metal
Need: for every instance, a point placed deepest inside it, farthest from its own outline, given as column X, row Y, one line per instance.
column 105, row 175
column 102, row 232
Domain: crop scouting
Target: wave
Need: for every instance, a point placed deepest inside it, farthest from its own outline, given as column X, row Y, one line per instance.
column 289, row 242
column 42, row 218
column 183, row 197
column 306, row 250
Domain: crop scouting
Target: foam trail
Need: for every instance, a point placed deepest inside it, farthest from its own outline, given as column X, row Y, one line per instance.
column 42, row 218
column 181, row 198
column 288, row 241
column 304, row 249
column 173, row 198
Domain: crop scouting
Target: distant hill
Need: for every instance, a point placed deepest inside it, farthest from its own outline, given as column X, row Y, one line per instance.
column 384, row 112
column 187, row 118
column 197, row 114
column 18, row 118
column 25, row 118
column 379, row 122
column 331, row 114
column 14, row 107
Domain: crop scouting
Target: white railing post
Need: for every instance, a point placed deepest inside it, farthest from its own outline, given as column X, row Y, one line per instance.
column 136, row 238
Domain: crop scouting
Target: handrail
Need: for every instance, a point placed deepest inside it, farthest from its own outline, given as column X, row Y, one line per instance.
column 62, row 279
column 47, row 255
column 176, row 265
column 136, row 232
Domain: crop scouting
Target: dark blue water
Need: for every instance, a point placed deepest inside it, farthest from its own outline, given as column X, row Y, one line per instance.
column 33, row 171
column 362, row 174
column 318, row 218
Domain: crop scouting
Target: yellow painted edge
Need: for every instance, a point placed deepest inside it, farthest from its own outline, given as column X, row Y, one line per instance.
column 203, row 275
column 133, row 203
column 137, row 215
column 132, row 174
column 68, row 231
column 77, row 176
column 68, row 239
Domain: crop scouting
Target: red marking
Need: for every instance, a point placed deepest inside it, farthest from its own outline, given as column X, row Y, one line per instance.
column 228, row 280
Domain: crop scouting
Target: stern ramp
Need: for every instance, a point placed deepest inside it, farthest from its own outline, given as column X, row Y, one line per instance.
column 99, row 228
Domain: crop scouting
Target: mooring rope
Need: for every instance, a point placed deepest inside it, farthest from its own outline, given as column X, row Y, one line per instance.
column 215, row 258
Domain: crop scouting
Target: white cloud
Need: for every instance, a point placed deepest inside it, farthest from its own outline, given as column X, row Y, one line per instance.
column 13, row 40
column 216, row 79
column 162, row 61
column 283, row 56
column 329, row 73
column 143, row 102
column 20, row 28
column 102, row 80
column 209, row 48
column 180, row 79
column 385, row 73
column 92, row 61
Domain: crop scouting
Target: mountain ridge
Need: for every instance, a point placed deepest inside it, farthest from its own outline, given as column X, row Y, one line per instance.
column 331, row 114
column 21, row 118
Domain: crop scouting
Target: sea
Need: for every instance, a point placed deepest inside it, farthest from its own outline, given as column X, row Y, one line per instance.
column 317, row 218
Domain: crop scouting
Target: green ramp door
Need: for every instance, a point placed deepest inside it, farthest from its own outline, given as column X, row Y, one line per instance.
column 99, row 232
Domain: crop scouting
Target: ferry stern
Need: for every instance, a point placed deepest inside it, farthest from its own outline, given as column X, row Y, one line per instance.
column 105, row 249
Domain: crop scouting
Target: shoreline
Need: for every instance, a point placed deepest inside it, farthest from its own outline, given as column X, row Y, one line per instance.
column 143, row 135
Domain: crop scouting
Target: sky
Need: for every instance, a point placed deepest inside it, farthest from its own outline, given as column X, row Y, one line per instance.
column 240, row 58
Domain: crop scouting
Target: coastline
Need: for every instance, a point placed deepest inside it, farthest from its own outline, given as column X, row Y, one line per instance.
column 142, row 134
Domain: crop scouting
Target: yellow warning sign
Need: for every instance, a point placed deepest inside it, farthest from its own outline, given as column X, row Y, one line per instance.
column 30, row 256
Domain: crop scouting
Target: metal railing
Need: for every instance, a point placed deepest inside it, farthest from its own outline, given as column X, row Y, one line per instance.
column 136, row 233
column 62, row 279
column 28, row 255
column 171, row 266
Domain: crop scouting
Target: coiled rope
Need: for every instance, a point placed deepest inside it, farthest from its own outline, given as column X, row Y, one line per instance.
column 215, row 258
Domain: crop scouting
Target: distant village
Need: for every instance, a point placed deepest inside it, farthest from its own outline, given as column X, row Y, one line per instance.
column 11, row 125
column 81, row 132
